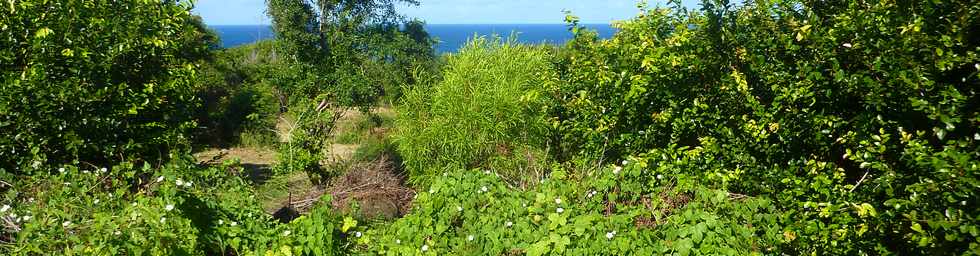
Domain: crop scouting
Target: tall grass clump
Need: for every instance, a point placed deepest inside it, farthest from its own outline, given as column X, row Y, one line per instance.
column 484, row 113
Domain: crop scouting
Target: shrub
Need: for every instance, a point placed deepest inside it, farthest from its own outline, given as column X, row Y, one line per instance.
column 93, row 82
column 486, row 105
column 307, row 141
column 858, row 119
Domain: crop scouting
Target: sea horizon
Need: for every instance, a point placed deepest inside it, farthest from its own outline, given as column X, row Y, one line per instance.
column 451, row 37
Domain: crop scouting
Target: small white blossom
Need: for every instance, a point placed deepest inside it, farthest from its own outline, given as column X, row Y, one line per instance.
column 660, row 177
column 617, row 169
column 432, row 191
column 357, row 234
column 163, row 219
column 66, row 224
column 560, row 210
column 234, row 223
column 459, row 208
column 160, row 179
column 558, row 200
column 469, row 238
column 487, row 172
column 96, row 201
column 103, row 170
column 180, row 182
column 27, row 218
column 847, row 45
column 188, row 184
column 609, row 235
column 117, row 233
column 625, row 162
column 221, row 222
column 425, row 247
column 286, row 233
column 4, row 208
column 398, row 241
column 508, row 224
column 169, row 207
column 61, row 170
column 484, row 189
column 444, row 174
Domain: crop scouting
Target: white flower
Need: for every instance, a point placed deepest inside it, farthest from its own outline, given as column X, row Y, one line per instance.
column 590, row 194
column 432, row 191
column 188, row 184
column 660, row 176
column 5, row 208
column 459, row 208
column 27, row 218
column 609, row 235
column 617, row 169
column 61, row 170
column 117, row 232
column 848, row 45
column 97, row 201
column 286, row 233
column 508, row 224
column 221, row 222
column 484, row 189
column 487, row 172
column 444, row 174
column 469, row 238
column 357, row 234
column 524, row 205
column 625, row 162
column 103, row 170
column 159, row 179
column 560, row 210
column 558, row 200
column 234, row 223
column 66, row 224
column 169, row 207
column 425, row 247
column 398, row 241
column 163, row 219
column 180, row 182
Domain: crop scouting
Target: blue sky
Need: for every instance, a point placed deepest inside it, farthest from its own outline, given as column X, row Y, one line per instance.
column 250, row 12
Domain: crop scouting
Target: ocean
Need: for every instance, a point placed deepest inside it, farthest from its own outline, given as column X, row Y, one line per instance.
column 451, row 36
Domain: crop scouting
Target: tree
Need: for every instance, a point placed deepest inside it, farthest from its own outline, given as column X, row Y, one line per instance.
column 333, row 39
column 94, row 82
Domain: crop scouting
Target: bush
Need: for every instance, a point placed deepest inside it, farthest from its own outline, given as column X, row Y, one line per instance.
column 486, row 105
column 95, row 82
column 243, row 93
column 858, row 119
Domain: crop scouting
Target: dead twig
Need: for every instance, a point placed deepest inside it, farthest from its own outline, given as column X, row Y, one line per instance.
column 859, row 181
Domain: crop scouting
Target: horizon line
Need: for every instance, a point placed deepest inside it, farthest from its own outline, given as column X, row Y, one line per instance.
column 581, row 23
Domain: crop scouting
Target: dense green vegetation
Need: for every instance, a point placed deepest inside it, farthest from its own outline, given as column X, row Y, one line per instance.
column 763, row 128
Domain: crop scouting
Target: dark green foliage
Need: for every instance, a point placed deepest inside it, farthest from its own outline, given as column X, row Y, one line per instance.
column 243, row 90
column 858, row 118
column 351, row 47
column 95, row 82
